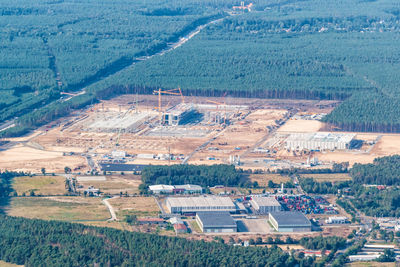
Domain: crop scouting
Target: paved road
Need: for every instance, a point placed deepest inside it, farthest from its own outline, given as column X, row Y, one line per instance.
column 111, row 209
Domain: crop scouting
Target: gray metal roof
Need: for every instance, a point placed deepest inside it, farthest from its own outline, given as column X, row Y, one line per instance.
column 290, row 218
column 216, row 219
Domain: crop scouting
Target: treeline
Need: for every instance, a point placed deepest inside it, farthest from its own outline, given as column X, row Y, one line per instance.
column 5, row 182
column 202, row 175
column 383, row 171
column 310, row 186
column 368, row 112
column 51, row 243
column 323, row 243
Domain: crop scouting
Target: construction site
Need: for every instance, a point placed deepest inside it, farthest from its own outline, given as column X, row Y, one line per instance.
column 131, row 131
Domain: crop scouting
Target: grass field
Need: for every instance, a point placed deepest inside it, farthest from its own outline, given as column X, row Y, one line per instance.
column 371, row 264
column 331, row 177
column 140, row 206
column 7, row 264
column 72, row 209
column 263, row 179
column 117, row 184
column 44, row 185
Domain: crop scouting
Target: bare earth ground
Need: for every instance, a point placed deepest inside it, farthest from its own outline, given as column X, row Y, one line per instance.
column 78, row 209
column 22, row 158
column 140, row 206
column 116, row 183
column 331, row 177
column 263, row 179
column 44, row 185
column 371, row 264
column 7, row 264
column 303, row 126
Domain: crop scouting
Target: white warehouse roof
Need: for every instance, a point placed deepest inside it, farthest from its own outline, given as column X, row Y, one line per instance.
column 200, row 201
column 265, row 201
column 159, row 187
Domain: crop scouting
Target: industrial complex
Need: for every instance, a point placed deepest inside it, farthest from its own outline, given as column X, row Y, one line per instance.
column 265, row 205
column 216, row 222
column 319, row 141
column 289, row 221
column 198, row 204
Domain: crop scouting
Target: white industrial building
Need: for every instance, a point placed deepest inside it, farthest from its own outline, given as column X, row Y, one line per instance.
column 161, row 189
column 336, row 220
column 177, row 189
column 198, row 204
column 265, row 205
column 319, row 141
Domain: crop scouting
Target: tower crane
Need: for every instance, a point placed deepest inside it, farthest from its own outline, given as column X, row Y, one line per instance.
column 176, row 91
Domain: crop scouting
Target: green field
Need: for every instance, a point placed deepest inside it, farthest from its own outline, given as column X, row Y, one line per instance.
column 40, row 185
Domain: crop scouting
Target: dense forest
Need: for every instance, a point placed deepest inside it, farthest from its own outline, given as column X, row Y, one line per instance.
column 303, row 49
column 202, row 175
column 383, row 171
column 52, row 243
column 375, row 202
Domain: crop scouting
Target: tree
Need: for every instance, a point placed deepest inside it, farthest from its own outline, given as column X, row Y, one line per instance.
column 43, row 170
column 387, row 256
column 67, row 169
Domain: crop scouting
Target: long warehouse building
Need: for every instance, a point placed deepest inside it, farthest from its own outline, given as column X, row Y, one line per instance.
column 198, row 204
column 319, row 141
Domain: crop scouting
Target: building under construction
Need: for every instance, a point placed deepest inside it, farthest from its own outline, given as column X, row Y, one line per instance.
column 179, row 115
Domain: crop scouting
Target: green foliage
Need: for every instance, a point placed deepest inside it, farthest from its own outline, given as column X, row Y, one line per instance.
column 379, row 203
column 387, row 256
column 323, row 243
column 51, row 243
column 383, row 171
column 202, row 175
column 310, row 186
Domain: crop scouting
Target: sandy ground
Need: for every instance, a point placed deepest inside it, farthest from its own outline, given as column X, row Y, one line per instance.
column 389, row 144
column 22, row 158
column 305, row 126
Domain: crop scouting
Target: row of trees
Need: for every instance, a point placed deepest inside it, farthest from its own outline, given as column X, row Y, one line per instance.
column 202, row 175
column 311, row 186
column 323, row 243
column 51, row 243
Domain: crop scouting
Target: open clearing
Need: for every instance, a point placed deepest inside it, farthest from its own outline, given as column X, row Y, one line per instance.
column 263, row 179
column 371, row 264
column 329, row 177
column 24, row 158
column 116, row 183
column 7, row 264
column 302, row 126
column 72, row 209
column 41, row 185
column 140, row 206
